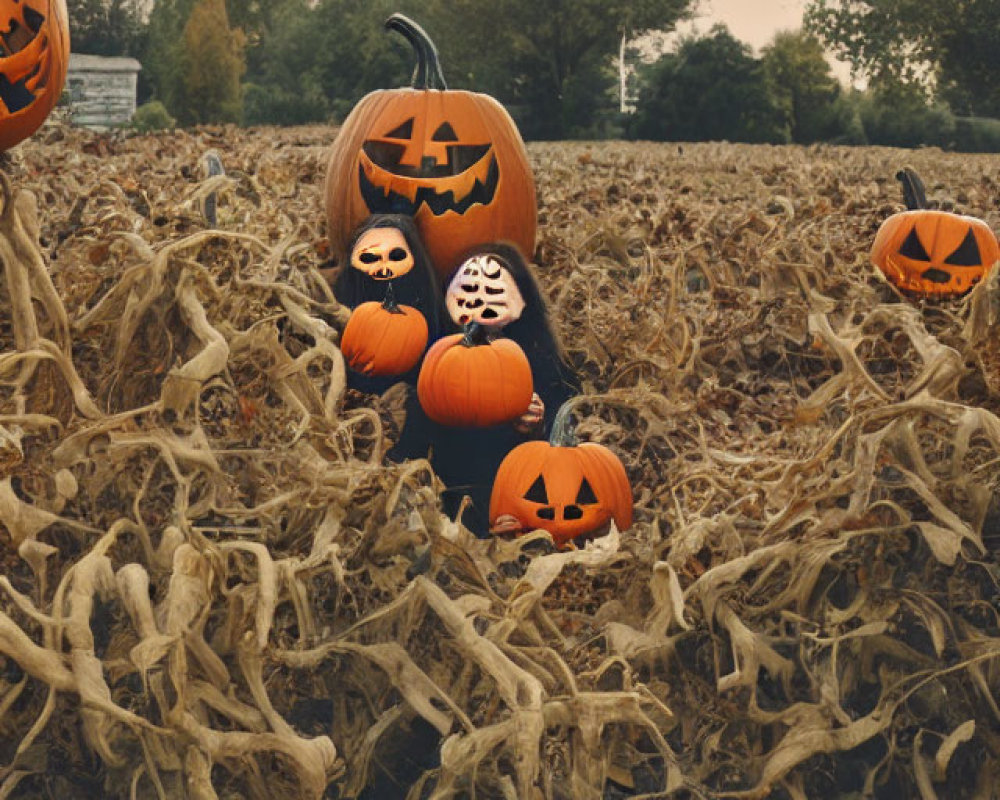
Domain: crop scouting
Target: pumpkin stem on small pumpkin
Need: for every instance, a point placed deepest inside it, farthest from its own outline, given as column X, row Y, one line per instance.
column 914, row 194
column 428, row 66
column 389, row 303
column 563, row 428
column 474, row 335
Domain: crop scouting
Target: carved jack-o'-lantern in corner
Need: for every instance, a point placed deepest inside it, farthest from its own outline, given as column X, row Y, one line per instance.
column 453, row 160
column 34, row 56
column 931, row 252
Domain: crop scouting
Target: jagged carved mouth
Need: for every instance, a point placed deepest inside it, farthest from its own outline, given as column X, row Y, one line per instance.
column 15, row 94
column 461, row 157
column 388, row 201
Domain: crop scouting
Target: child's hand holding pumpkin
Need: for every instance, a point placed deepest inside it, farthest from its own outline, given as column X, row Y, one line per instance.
column 505, row 523
column 532, row 418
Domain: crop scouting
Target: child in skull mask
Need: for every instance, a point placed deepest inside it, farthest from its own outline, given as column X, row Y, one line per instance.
column 387, row 251
column 494, row 287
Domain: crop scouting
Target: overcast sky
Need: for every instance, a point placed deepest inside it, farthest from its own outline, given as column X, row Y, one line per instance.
column 755, row 22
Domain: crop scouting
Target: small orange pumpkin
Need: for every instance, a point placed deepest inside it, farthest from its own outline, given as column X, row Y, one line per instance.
column 468, row 380
column 34, row 57
column 562, row 487
column 931, row 252
column 384, row 338
column 452, row 160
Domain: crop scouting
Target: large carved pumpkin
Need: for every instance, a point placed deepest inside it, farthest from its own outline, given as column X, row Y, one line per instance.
column 931, row 252
column 453, row 160
column 34, row 56
column 561, row 486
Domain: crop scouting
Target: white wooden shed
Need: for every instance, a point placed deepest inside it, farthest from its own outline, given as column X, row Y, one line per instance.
column 102, row 90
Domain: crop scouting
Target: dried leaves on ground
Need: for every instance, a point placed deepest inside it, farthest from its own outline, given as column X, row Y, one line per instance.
column 212, row 583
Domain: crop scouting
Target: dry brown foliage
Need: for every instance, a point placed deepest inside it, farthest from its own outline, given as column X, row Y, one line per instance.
column 212, row 584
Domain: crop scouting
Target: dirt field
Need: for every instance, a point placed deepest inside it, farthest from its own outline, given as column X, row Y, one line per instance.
column 212, row 584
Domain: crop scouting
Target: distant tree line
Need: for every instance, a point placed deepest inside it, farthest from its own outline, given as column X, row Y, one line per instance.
column 556, row 67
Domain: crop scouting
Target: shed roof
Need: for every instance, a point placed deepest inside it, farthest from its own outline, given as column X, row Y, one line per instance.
column 79, row 62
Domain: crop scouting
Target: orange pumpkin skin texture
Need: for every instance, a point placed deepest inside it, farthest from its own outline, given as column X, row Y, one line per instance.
column 463, row 383
column 567, row 491
column 453, row 160
column 384, row 339
column 33, row 61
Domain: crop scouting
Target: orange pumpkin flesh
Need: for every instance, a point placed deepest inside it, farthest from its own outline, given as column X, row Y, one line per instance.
column 565, row 489
column 384, row 338
column 453, row 160
column 930, row 252
column 34, row 57
column 467, row 381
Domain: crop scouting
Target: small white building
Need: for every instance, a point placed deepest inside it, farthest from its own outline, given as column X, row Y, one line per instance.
column 102, row 90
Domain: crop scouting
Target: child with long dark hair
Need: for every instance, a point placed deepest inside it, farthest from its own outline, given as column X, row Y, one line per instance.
column 386, row 250
column 495, row 288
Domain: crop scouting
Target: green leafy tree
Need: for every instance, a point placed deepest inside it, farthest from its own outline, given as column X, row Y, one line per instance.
column 803, row 86
column 898, row 115
column 163, row 58
column 947, row 47
column 261, row 21
column 283, row 79
column 214, row 64
column 551, row 61
column 354, row 53
column 711, row 88
column 106, row 27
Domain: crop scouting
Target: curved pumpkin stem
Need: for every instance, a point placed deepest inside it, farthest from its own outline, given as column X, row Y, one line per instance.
column 914, row 194
column 563, row 428
column 428, row 66
column 389, row 303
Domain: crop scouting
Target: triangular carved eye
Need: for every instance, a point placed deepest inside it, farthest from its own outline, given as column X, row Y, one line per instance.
column 585, row 496
column 912, row 248
column 444, row 133
column 967, row 254
column 404, row 131
column 536, row 492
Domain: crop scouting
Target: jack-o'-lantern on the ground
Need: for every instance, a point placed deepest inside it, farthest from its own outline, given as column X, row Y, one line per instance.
column 567, row 488
column 930, row 252
column 453, row 160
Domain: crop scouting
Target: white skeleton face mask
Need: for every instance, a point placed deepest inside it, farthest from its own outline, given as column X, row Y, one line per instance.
column 483, row 291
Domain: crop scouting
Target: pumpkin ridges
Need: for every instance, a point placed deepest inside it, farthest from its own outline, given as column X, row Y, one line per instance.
column 349, row 139
column 618, row 481
column 597, row 460
column 459, row 384
column 393, row 347
column 511, row 381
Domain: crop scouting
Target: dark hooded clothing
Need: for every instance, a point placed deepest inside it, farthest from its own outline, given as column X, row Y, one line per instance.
column 466, row 459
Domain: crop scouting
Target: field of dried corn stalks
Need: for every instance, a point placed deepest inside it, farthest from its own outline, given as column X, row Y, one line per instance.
column 213, row 585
